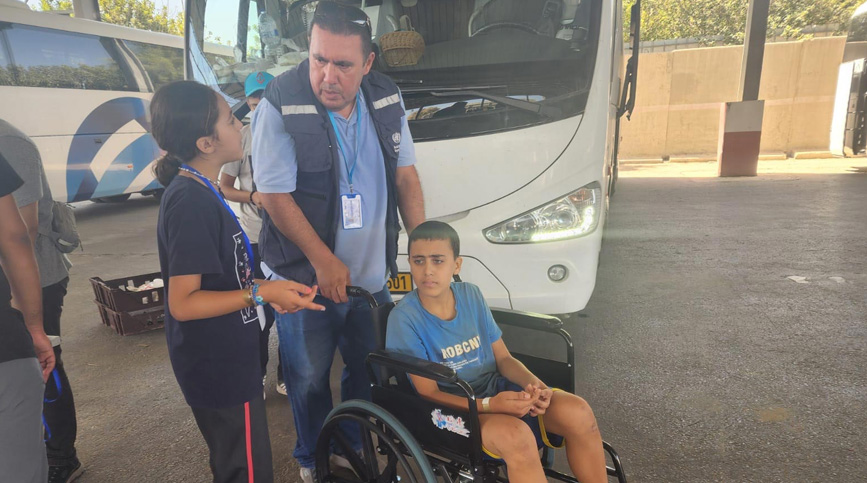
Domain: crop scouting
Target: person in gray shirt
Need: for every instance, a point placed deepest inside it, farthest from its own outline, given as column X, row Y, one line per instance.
column 36, row 205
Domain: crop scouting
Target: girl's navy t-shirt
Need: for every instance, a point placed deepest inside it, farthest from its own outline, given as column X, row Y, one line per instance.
column 215, row 360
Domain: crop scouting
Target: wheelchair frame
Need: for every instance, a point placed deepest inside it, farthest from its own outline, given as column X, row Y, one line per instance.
column 448, row 439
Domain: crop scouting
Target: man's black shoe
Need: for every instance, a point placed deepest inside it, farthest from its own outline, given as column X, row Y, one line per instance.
column 66, row 473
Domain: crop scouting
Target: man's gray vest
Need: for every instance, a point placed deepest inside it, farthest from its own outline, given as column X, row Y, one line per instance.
column 316, row 151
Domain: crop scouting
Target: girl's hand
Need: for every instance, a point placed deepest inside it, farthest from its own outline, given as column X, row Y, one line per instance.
column 278, row 309
column 289, row 297
column 513, row 403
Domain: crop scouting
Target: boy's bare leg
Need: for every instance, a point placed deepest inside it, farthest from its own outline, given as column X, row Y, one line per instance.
column 571, row 417
column 511, row 439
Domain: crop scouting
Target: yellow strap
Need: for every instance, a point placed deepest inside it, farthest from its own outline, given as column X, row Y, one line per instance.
column 545, row 432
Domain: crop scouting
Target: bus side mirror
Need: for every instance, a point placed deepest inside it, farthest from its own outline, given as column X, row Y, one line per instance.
column 627, row 97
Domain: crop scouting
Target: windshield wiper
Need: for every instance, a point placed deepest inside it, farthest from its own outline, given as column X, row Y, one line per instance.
column 535, row 107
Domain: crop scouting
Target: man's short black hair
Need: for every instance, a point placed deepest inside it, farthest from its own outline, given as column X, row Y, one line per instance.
column 342, row 19
column 436, row 230
column 257, row 94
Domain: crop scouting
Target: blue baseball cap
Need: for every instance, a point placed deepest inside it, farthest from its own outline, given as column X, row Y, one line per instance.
column 256, row 82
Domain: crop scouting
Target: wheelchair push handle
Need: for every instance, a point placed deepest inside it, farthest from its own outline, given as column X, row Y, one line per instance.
column 354, row 291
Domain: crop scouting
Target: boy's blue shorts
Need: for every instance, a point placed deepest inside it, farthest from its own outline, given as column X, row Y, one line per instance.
column 536, row 423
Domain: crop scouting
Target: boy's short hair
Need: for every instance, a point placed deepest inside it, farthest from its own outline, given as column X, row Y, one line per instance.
column 436, row 230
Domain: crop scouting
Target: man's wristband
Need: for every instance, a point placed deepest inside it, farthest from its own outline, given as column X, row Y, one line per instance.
column 251, row 195
column 486, row 405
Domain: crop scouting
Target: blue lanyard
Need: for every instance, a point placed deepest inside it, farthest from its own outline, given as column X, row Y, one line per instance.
column 349, row 170
column 208, row 183
column 46, row 400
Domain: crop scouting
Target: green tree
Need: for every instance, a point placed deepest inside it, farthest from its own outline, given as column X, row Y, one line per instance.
column 724, row 21
column 139, row 14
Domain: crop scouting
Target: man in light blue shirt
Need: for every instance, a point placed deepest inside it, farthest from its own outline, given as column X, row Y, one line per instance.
column 334, row 161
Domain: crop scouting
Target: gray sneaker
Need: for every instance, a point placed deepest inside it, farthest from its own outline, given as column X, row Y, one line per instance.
column 308, row 475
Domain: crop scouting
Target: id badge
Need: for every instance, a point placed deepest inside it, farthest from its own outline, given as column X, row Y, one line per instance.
column 260, row 312
column 351, row 204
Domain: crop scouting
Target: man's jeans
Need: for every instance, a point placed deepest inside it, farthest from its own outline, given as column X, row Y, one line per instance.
column 307, row 342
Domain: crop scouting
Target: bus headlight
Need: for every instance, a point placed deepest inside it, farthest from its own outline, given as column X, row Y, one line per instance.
column 572, row 216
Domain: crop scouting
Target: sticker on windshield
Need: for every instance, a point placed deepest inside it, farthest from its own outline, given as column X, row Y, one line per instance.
column 449, row 423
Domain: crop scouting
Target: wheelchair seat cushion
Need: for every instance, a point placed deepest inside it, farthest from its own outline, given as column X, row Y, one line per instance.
column 536, row 424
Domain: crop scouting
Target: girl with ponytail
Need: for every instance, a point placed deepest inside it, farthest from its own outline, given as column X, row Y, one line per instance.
column 213, row 302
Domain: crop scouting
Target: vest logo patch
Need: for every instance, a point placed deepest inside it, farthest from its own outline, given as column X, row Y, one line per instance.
column 396, row 138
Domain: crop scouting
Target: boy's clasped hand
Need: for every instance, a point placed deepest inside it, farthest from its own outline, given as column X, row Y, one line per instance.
column 533, row 400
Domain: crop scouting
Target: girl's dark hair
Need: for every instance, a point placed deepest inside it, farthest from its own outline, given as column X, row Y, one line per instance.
column 181, row 113
column 435, row 230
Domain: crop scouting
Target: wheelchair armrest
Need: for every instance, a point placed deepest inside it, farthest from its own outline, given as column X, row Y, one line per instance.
column 413, row 365
column 527, row 320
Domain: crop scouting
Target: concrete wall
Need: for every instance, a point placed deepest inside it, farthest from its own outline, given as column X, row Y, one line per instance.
column 677, row 109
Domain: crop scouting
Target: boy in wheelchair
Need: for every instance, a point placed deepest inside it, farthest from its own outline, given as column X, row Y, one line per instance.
column 450, row 323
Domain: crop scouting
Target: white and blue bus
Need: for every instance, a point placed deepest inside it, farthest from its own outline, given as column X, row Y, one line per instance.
column 848, row 127
column 81, row 89
column 514, row 106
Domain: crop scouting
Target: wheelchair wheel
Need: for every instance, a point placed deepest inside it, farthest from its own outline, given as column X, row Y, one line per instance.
column 388, row 452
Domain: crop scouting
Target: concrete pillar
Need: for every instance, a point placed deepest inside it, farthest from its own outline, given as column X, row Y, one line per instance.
column 740, row 138
column 740, row 135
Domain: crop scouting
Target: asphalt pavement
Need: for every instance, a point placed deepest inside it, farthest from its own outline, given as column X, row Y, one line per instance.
column 702, row 359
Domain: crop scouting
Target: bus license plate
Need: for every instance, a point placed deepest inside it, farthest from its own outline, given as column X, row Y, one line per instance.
column 401, row 284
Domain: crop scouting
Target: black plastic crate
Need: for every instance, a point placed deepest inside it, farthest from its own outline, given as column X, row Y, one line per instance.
column 110, row 294
column 136, row 322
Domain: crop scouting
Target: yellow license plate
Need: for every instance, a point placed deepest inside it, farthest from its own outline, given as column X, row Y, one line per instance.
column 400, row 284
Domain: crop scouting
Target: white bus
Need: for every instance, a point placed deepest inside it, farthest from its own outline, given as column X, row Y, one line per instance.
column 848, row 130
column 81, row 89
column 514, row 107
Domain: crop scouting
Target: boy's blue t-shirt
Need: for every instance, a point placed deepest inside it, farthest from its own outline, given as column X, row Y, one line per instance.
column 463, row 343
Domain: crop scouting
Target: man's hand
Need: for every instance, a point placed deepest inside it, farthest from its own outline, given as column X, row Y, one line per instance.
column 257, row 199
column 333, row 277
column 513, row 403
column 44, row 352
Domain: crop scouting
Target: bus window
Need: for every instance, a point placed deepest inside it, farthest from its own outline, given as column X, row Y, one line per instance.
column 856, row 40
column 5, row 66
column 512, row 63
column 51, row 58
column 163, row 64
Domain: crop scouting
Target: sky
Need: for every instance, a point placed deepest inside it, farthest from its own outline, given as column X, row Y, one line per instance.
column 174, row 5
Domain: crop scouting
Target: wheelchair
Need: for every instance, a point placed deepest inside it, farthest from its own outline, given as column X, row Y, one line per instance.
column 405, row 437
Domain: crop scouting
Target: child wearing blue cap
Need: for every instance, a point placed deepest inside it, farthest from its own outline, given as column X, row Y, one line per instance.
column 248, row 198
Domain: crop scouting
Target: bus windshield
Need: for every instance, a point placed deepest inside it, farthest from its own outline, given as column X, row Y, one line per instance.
column 465, row 67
